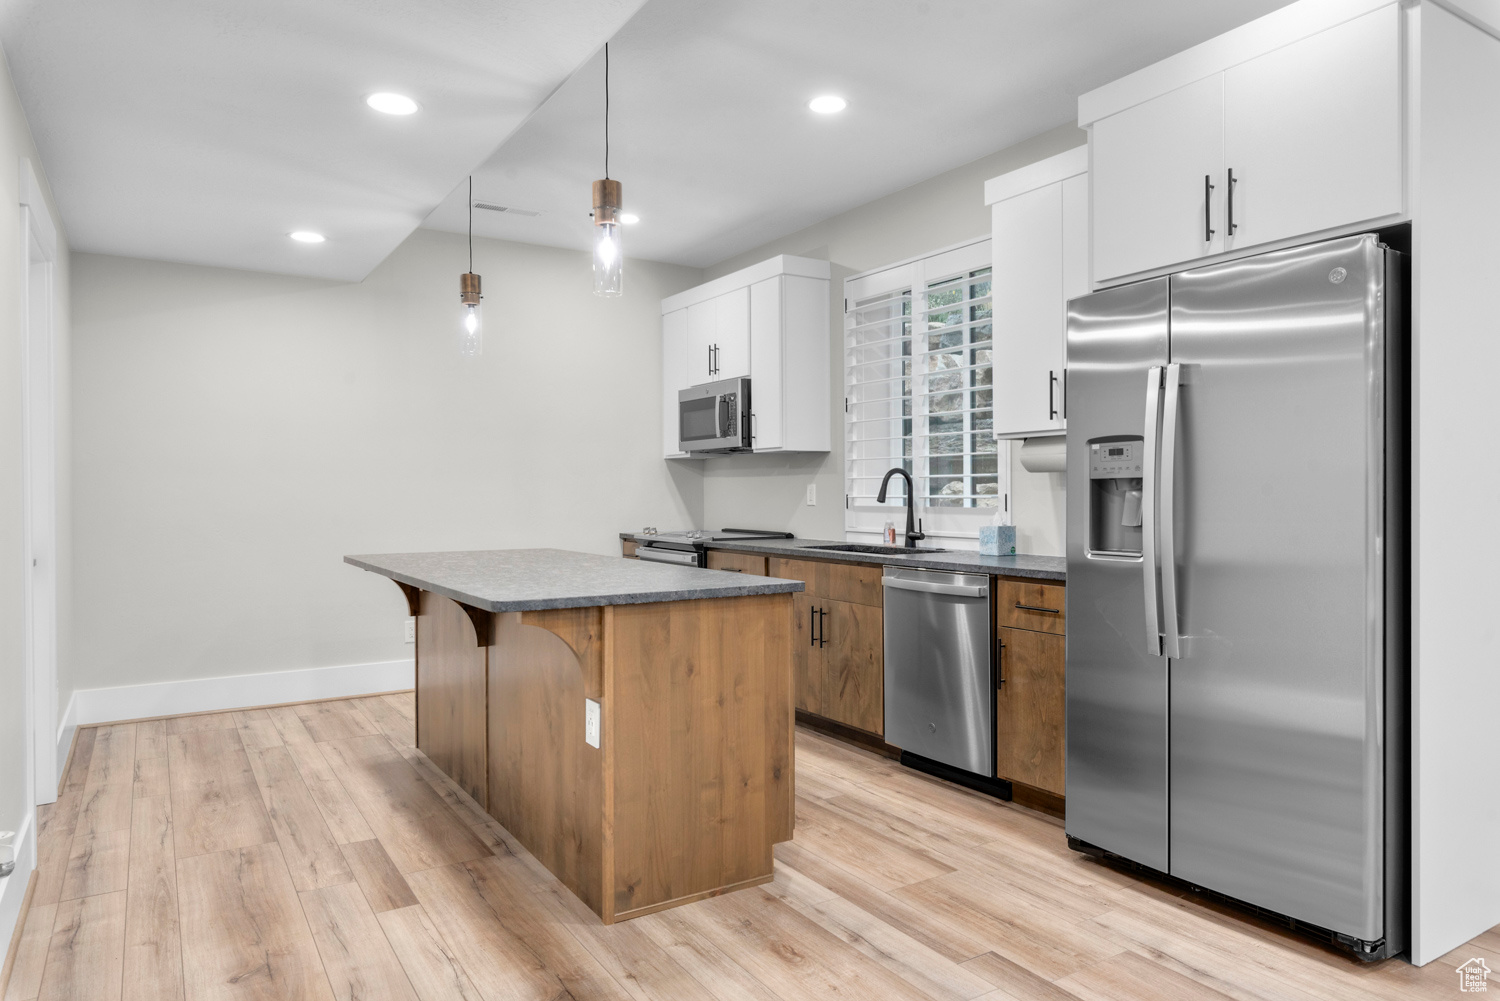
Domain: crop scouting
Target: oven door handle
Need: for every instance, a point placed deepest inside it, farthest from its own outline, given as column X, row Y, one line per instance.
column 676, row 557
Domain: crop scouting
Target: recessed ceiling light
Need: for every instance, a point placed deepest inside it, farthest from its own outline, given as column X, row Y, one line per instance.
column 828, row 104
column 308, row 236
column 629, row 218
column 392, row 104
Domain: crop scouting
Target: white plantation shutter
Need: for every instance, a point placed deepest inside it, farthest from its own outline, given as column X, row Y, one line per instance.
column 919, row 394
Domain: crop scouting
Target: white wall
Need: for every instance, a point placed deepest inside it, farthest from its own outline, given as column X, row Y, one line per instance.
column 1456, row 491
column 768, row 491
column 16, row 809
column 237, row 434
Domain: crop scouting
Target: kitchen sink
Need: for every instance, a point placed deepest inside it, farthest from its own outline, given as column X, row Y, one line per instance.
column 876, row 550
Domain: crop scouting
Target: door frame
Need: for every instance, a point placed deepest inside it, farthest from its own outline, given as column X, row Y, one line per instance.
column 39, row 481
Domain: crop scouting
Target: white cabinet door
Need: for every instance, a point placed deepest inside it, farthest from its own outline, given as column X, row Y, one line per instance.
column 1147, row 169
column 702, row 330
column 1075, row 263
column 674, row 376
column 1027, row 288
column 732, row 334
column 1313, row 132
column 766, row 384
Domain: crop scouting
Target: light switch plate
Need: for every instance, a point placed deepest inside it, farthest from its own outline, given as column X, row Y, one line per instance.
column 411, row 630
column 591, row 722
column 812, row 494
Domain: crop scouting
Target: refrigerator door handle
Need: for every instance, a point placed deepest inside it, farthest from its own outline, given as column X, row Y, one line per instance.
column 1166, row 507
column 1148, row 509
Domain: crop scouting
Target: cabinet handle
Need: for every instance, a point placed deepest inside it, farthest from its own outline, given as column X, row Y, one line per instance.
column 1000, row 666
column 812, row 626
column 1039, row 608
column 710, row 359
column 1208, row 209
column 1229, row 223
column 1051, row 390
column 822, row 629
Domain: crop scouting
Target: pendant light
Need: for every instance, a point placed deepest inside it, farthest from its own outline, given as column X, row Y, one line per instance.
column 470, row 320
column 608, row 259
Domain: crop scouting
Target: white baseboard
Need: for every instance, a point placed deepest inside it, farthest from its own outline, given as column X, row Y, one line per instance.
column 173, row 698
column 66, row 728
column 13, row 887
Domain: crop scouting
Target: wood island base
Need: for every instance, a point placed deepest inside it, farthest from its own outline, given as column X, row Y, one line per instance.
column 691, row 784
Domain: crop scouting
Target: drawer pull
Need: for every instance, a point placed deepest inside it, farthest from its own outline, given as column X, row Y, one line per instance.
column 1038, row 608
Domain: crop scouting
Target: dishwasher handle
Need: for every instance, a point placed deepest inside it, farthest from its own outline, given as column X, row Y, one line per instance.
column 930, row 587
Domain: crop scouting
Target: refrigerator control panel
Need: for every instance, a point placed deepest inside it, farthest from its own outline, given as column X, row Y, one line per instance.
column 1110, row 460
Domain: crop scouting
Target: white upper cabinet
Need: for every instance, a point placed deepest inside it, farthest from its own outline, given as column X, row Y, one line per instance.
column 1155, row 172
column 1313, row 132
column 1039, row 247
column 702, row 327
column 718, row 337
column 732, row 337
column 769, row 322
column 1279, row 135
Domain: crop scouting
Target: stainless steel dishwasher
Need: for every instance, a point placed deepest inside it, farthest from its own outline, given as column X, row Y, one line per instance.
column 939, row 678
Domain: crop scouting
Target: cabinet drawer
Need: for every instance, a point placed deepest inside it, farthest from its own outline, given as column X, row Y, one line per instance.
column 741, row 562
column 1030, row 606
column 839, row 581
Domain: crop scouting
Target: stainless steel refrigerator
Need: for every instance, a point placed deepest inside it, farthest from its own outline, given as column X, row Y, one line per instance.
column 1236, row 538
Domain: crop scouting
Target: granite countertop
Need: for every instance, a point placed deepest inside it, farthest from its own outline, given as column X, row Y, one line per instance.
column 528, row 580
column 957, row 561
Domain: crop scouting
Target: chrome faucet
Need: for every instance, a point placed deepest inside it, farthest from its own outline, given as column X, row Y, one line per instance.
column 913, row 529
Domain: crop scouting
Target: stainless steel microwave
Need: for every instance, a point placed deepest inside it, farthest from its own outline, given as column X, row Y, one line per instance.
column 714, row 417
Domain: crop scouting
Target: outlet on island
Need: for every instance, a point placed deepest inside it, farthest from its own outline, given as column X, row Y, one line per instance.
column 591, row 722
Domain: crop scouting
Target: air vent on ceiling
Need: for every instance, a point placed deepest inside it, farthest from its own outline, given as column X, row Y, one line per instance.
column 508, row 210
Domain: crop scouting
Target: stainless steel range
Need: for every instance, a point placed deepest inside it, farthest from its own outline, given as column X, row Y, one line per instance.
column 690, row 548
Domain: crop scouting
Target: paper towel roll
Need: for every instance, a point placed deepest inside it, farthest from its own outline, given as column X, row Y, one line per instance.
column 1045, row 455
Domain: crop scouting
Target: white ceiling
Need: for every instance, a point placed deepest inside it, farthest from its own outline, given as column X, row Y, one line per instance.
column 718, row 153
column 205, row 131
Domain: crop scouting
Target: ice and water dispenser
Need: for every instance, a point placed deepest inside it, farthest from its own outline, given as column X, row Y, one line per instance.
column 1115, row 482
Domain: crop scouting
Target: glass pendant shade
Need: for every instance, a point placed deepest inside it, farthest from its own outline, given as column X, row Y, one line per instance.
column 608, row 259
column 470, row 317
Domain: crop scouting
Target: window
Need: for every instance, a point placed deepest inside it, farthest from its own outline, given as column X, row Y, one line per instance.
column 919, row 393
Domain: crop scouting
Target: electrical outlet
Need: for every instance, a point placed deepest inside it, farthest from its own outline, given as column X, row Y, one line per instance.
column 591, row 722
column 411, row 630
column 812, row 494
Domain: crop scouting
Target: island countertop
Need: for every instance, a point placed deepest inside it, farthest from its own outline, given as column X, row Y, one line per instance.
column 528, row 580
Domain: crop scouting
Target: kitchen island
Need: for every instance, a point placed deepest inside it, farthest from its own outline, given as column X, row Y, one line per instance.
column 629, row 723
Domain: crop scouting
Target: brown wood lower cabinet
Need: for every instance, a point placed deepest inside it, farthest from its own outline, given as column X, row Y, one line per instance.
column 1029, row 709
column 839, row 661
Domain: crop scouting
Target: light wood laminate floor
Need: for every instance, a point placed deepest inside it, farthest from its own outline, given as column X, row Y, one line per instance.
column 310, row 852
